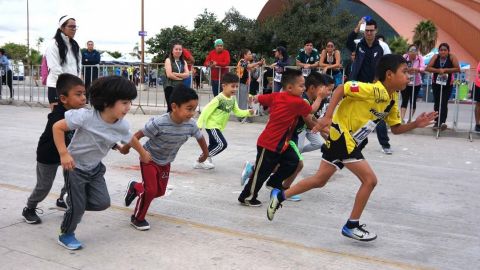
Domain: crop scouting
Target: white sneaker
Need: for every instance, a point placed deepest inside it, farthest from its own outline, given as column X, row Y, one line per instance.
column 203, row 165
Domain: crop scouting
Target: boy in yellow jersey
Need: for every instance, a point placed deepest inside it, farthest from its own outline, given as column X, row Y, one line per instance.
column 360, row 107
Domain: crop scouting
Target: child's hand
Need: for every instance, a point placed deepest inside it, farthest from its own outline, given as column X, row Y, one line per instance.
column 322, row 124
column 67, row 162
column 145, row 157
column 251, row 111
column 202, row 158
column 425, row 119
column 124, row 149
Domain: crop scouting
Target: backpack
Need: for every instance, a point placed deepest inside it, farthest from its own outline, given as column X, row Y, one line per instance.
column 44, row 70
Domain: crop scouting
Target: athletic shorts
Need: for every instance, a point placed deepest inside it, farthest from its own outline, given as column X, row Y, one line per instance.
column 336, row 152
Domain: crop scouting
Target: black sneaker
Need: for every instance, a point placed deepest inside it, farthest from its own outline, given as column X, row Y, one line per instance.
column 130, row 193
column 61, row 203
column 139, row 225
column 30, row 215
column 254, row 202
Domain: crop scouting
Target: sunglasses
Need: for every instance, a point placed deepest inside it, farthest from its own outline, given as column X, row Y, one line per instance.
column 73, row 27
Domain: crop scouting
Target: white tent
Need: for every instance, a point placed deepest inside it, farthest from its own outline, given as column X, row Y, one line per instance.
column 127, row 59
column 106, row 58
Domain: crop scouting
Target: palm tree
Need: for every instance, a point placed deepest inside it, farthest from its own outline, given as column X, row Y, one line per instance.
column 425, row 36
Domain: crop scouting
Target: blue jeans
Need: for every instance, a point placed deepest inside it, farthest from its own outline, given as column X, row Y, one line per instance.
column 382, row 134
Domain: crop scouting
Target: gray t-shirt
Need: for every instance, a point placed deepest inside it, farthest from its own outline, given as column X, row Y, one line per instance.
column 93, row 137
column 166, row 137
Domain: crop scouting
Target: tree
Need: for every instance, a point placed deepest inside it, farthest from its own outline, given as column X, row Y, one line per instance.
column 398, row 45
column 40, row 40
column 425, row 36
column 160, row 45
column 206, row 29
column 115, row 54
column 17, row 52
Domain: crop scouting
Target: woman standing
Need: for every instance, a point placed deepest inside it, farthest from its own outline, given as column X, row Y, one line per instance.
column 62, row 55
column 281, row 61
column 176, row 70
column 330, row 62
column 416, row 68
column 442, row 65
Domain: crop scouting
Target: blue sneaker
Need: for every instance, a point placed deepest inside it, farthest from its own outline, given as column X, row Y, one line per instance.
column 246, row 173
column 294, row 198
column 68, row 241
column 359, row 233
column 276, row 198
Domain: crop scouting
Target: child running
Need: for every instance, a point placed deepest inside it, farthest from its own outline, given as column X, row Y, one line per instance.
column 71, row 93
column 215, row 115
column 362, row 107
column 166, row 134
column 273, row 147
column 96, row 132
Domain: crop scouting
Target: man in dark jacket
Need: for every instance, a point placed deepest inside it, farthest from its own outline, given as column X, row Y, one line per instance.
column 90, row 57
column 368, row 52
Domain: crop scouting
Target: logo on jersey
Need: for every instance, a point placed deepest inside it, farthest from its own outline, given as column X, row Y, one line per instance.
column 354, row 87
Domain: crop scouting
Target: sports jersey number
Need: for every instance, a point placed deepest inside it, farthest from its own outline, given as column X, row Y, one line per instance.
column 306, row 72
column 363, row 133
column 442, row 79
column 278, row 77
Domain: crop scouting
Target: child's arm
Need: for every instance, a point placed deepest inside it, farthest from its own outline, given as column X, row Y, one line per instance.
column 326, row 120
column 203, row 145
column 422, row 120
column 241, row 113
column 58, row 130
column 145, row 156
column 310, row 121
column 207, row 112
column 125, row 149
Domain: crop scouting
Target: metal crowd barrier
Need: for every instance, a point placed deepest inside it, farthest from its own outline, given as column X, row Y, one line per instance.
column 28, row 90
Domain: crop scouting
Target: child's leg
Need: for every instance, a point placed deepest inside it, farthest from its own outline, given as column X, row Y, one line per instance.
column 150, row 175
column 316, row 142
column 321, row 177
column 216, row 142
column 288, row 182
column 75, row 183
column 98, row 198
column 45, row 177
column 264, row 165
column 162, row 178
column 288, row 163
column 368, row 178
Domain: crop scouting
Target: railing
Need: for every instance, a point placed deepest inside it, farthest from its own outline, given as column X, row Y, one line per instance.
column 29, row 91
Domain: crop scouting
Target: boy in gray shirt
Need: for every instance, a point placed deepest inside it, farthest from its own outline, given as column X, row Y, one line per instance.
column 166, row 133
column 97, row 131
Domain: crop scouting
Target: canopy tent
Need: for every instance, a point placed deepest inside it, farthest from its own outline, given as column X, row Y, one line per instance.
column 127, row 59
column 106, row 58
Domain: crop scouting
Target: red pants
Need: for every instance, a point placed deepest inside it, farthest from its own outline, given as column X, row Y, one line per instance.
column 154, row 183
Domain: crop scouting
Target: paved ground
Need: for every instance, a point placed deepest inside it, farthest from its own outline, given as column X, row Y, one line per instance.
column 424, row 209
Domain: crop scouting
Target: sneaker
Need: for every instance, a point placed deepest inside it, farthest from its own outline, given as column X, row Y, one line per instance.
column 275, row 198
column 359, row 233
column 130, row 193
column 246, row 173
column 139, row 225
column 387, row 150
column 61, row 203
column 443, row 127
column 203, row 165
column 294, row 198
column 30, row 215
column 253, row 203
column 210, row 162
column 68, row 241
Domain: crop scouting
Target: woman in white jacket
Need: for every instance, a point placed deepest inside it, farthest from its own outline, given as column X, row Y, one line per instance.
column 63, row 56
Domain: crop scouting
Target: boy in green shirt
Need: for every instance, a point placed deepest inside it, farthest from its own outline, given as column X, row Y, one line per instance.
column 215, row 115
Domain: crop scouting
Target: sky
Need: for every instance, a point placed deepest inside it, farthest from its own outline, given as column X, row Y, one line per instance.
column 113, row 25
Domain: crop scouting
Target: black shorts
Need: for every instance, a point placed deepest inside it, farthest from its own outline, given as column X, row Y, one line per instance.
column 476, row 93
column 336, row 153
column 52, row 95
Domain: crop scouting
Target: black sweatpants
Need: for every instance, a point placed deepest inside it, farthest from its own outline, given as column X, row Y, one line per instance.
column 264, row 165
column 216, row 142
column 442, row 98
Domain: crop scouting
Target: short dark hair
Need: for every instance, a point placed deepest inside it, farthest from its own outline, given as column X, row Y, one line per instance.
column 317, row 79
column 372, row 22
column 388, row 62
column 66, row 82
column 289, row 76
column 182, row 94
column 105, row 91
column 230, row 77
column 444, row 45
column 307, row 41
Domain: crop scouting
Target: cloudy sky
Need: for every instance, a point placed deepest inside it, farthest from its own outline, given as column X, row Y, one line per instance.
column 111, row 24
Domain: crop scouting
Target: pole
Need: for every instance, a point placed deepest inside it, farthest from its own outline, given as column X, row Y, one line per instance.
column 141, row 62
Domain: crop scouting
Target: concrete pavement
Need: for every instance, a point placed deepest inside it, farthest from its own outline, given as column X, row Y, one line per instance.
column 424, row 209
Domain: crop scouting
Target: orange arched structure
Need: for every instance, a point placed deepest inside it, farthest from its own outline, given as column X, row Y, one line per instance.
column 458, row 21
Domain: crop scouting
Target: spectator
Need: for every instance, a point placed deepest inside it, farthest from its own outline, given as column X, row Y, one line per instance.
column 330, row 62
column 442, row 65
column 152, row 77
column 368, row 52
column 6, row 72
column 188, row 56
column 217, row 60
column 476, row 92
column 62, row 55
column 308, row 58
column 281, row 61
column 176, row 70
column 244, row 72
column 348, row 67
column 196, row 76
column 90, row 57
column 255, row 74
column 416, row 67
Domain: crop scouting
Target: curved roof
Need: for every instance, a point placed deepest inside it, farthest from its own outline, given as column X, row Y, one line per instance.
column 456, row 20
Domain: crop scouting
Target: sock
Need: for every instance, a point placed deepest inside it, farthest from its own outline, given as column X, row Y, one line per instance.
column 281, row 196
column 352, row 223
